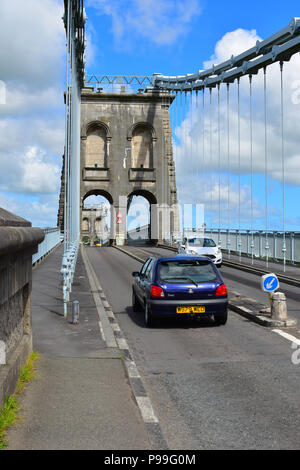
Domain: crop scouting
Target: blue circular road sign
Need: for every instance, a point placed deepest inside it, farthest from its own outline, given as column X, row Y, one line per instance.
column 270, row 282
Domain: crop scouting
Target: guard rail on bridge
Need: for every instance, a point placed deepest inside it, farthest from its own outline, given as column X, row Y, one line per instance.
column 52, row 238
column 265, row 245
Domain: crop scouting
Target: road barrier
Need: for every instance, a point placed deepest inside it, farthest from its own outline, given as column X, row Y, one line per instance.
column 52, row 238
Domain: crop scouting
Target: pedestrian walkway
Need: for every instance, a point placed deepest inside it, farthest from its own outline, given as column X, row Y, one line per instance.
column 81, row 398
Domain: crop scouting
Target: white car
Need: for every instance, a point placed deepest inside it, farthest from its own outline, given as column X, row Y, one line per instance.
column 201, row 247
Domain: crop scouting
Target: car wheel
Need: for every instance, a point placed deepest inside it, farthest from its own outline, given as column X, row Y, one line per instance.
column 219, row 265
column 221, row 318
column 135, row 303
column 148, row 316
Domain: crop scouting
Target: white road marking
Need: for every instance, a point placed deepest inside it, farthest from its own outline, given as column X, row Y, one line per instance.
column 291, row 338
column 122, row 343
column 115, row 327
column 132, row 370
column 244, row 308
column 101, row 330
column 104, row 323
column 146, row 409
column 237, row 294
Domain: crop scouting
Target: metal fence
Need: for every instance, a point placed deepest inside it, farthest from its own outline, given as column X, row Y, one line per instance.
column 53, row 238
column 74, row 20
column 118, row 83
column 272, row 245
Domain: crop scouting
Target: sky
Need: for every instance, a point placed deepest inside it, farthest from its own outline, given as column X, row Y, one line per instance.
column 141, row 37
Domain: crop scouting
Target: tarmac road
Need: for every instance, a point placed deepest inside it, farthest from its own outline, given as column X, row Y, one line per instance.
column 228, row 387
column 248, row 284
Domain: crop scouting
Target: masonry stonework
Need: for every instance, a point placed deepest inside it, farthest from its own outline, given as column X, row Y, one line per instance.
column 18, row 242
column 126, row 151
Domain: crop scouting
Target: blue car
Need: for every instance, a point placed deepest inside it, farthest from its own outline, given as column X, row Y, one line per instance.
column 179, row 286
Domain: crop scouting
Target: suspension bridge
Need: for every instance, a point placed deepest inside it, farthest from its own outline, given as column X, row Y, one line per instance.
column 209, row 154
column 208, row 116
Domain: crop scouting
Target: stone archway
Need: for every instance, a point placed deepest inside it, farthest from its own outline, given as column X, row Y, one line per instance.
column 139, row 159
column 142, row 227
column 99, row 220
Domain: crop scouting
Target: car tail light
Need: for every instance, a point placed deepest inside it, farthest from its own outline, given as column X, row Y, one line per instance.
column 221, row 290
column 157, row 291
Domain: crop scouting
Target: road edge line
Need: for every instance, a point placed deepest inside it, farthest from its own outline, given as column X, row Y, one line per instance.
column 140, row 260
column 143, row 401
column 287, row 336
column 105, row 326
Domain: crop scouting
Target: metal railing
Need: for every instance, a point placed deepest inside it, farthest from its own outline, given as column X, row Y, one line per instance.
column 271, row 245
column 52, row 238
column 118, row 83
column 74, row 20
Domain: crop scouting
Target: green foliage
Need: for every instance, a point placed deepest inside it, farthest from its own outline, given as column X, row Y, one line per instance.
column 8, row 417
column 8, row 413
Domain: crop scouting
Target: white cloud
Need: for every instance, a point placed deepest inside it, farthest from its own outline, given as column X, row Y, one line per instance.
column 38, row 175
column 32, row 41
column 232, row 43
column 162, row 23
column 32, row 119
column 189, row 133
column 42, row 213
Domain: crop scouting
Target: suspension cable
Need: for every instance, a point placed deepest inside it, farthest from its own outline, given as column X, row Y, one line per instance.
column 191, row 121
column 228, row 162
column 251, row 162
column 282, row 166
column 203, row 139
column 210, row 155
column 219, row 167
column 266, row 168
column 239, row 167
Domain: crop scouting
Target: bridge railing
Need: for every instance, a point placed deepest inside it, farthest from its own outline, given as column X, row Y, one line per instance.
column 52, row 238
column 265, row 244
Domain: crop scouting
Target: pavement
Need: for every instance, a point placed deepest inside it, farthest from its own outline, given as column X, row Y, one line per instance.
column 82, row 397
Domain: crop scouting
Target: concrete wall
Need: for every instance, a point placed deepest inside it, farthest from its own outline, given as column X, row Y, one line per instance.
column 18, row 242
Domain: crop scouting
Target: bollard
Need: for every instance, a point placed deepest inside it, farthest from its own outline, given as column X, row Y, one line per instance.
column 75, row 312
column 278, row 309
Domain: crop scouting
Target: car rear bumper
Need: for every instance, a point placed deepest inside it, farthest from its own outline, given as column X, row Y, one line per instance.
column 168, row 307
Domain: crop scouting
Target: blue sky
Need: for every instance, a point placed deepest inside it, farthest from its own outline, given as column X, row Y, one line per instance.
column 133, row 54
column 138, row 37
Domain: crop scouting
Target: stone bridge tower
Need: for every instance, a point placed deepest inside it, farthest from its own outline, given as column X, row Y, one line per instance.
column 126, row 151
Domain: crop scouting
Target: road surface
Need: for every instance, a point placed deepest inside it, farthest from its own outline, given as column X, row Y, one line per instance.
column 228, row 387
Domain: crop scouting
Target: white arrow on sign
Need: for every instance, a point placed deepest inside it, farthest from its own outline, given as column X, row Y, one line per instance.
column 269, row 284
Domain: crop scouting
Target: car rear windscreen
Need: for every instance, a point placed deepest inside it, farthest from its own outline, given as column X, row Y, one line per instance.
column 186, row 271
column 203, row 242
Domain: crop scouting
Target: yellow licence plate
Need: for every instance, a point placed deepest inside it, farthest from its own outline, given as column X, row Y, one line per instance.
column 190, row 309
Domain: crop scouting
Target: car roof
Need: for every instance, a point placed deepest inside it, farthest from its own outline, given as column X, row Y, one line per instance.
column 199, row 238
column 183, row 257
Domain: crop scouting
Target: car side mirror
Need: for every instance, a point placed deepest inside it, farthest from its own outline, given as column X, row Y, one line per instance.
column 135, row 273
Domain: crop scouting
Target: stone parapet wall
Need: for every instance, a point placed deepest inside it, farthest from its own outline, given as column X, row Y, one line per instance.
column 18, row 242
